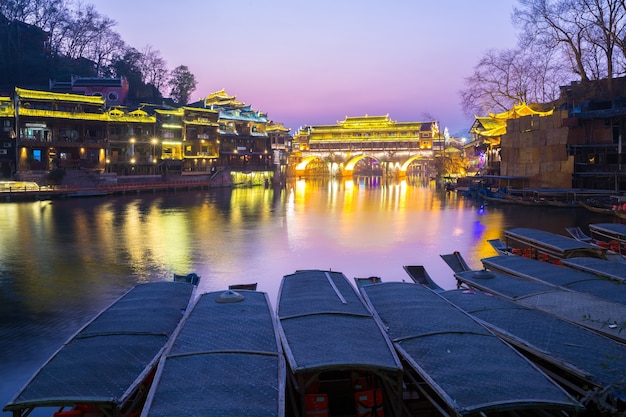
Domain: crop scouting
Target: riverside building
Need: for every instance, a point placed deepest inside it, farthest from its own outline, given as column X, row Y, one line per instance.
column 45, row 131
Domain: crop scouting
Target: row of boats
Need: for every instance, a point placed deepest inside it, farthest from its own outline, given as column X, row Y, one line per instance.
column 523, row 336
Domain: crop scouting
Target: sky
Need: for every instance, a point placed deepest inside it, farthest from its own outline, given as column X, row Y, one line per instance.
column 316, row 62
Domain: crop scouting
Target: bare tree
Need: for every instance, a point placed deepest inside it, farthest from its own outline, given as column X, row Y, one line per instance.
column 153, row 68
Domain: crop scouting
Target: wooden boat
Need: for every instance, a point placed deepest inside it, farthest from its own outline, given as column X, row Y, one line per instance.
column 601, row 316
column 588, row 365
column 105, row 368
column 444, row 352
column 597, row 207
column 339, row 359
column 191, row 278
column 614, row 234
column 551, row 244
column 559, row 276
column 225, row 360
column 456, row 262
column 499, row 246
column 237, row 287
column 367, row 281
column 600, row 267
column 419, row 275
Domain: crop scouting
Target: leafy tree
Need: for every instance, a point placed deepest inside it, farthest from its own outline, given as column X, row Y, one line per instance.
column 182, row 83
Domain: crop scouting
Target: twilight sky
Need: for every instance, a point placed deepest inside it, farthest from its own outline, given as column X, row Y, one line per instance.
column 316, row 62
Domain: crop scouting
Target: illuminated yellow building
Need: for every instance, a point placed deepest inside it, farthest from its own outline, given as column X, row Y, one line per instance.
column 371, row 132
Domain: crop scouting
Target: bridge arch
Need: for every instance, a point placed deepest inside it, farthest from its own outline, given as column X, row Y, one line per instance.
column 349, row 166
column 405, row 165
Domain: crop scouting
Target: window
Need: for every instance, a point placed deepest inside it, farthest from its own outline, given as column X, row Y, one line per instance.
column 112, row 96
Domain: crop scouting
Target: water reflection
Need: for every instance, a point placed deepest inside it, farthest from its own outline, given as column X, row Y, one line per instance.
column 62, row 261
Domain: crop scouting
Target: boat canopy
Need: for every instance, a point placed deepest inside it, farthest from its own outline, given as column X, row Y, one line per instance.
column 107, row 360
column 552, row 244
column 559, row 276
column 446, row 348
column 317, row 306
column 599, row 315
column 225, row 361
column 595, row 362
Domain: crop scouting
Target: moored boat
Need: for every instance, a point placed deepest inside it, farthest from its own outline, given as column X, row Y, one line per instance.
column 455, row 363
column 588, row 365
column 559, row 276
column 550, row 244
column 106, row 368
column 339, row 359
column 225, row 360
column 604, row 317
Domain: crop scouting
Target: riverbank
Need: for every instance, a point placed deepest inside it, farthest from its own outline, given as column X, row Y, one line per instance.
column 31, row 191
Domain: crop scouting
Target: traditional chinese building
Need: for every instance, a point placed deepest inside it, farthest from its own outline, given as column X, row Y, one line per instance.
column 242, row 132
column 390, row 144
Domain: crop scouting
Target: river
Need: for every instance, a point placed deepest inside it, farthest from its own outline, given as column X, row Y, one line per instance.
column 62, row 261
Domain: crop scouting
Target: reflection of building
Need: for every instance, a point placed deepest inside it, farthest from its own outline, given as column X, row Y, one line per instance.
column 483, row 150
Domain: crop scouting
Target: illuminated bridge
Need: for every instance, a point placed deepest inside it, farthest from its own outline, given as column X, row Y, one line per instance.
column 368, row 145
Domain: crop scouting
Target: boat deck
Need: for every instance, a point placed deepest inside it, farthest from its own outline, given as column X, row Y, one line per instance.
column 595, row 363
column 601, row 267
column 465, row 378
column 560, row 276
column 552, row 244
column 105, row 363
column 225, row 361
column 582, row 309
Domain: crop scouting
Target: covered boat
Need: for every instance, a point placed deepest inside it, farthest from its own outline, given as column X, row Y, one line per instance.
column 613, row 233
column 226, row 360
column 590, row 366
column 551, row 244
column 604, row 268
column 585, row 310
column 560, row 276
column 340, row 360
column 456, row 363
column 106, row 368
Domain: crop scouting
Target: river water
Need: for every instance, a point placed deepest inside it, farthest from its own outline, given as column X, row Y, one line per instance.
column 62, row 261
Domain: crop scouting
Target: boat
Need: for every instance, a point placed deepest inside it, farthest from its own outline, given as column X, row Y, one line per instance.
column 107, row 366
column 191, row 278
column 367, row 281
column 613, row 246
column 252, row 286
column 225, row 360
column 446, row 361
column 419, row 275
column 456, row 261
column 500, row 247
column 600, row 267
column 597, row 206
column 559, row 276
column 601, row 316
column 552, row 245
column 339, row 360
column 588, row 365
column 614, row 234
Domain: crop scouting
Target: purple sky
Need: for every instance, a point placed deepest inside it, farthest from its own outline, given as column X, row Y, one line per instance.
column 315, row 62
